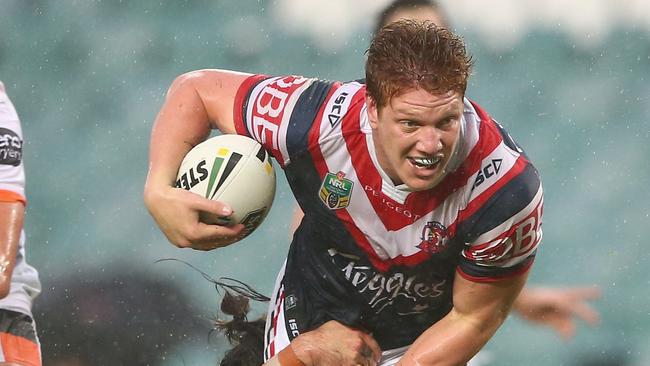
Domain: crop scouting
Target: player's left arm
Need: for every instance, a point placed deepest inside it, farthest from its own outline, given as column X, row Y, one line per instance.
column 492, row 272
column 478, row 311
column 11, row 224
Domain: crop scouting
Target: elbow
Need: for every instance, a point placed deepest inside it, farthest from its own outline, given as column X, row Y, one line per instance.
column 183, row 81
column 5, row 287
column 187, row 79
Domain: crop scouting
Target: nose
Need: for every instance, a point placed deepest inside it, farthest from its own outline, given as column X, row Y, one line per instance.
column 429, row 140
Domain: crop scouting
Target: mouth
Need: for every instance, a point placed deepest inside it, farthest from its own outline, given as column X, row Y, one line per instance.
column 422, row 162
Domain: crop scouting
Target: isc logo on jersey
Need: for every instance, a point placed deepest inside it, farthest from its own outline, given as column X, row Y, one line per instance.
column 232, row 169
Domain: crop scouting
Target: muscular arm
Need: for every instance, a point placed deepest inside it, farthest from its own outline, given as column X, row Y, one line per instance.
column 479, row 309
column 196, row 103
column 11, row 224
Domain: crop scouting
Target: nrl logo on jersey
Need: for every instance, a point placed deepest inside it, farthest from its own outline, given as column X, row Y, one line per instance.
column 335, row 191
column 434, row 237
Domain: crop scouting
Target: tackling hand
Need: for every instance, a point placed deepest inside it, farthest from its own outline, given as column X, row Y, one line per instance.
column 558, row 307
column 336, row 344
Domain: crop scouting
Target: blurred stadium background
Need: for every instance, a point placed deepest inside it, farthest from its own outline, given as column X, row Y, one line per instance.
column 569, row 81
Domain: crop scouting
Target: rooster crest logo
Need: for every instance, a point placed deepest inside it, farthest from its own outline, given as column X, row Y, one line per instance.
column 434, row 237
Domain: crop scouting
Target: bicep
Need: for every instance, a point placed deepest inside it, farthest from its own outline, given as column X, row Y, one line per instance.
column 486, row 303
column 210, row 92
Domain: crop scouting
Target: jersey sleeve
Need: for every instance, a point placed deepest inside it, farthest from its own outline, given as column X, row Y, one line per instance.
column 12, row 174
column 504, row 225
column 279, row 112
column 508, row 248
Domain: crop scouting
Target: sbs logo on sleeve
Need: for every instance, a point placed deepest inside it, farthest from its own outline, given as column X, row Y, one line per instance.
column 11, row 147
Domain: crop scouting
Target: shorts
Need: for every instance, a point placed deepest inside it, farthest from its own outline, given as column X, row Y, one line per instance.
column 279, row 331
column 18, row 340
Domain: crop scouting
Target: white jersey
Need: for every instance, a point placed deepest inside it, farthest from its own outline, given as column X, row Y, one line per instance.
column 25, row 285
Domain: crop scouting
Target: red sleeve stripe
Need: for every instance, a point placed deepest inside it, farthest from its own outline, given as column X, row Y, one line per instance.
column 241, row 103
column 519, row 270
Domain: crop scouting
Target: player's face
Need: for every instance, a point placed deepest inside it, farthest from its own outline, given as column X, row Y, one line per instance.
column 415, row 134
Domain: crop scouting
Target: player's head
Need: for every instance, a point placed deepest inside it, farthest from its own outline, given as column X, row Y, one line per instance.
column 416, row 75
column 410, row 53
column 412, row 9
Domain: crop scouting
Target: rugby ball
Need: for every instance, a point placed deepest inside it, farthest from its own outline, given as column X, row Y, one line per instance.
column 235, row 170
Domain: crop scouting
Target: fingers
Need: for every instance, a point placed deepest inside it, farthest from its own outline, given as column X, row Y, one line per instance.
column 366, row 358
column 577, row 303
column 585, row 293
column 347, row 346
column 585, row 312
column 197, row 222
column 208, row 237
column 564, row 326
column 367, row 351
column 371, row 349
column 201, row 203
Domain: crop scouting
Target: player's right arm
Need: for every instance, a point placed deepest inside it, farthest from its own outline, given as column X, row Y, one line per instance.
column 196, row 103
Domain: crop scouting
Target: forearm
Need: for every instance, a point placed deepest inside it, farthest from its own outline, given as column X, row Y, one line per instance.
column 479, row 310
column 286, row 357
column 453, row 340
column 11, row 224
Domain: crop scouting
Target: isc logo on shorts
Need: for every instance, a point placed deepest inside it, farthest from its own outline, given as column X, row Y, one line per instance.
column 293, row 326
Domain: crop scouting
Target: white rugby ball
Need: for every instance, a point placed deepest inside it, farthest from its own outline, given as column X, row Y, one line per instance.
column 235, row 170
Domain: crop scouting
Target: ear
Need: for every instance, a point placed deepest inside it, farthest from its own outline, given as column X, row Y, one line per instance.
column 373, row 113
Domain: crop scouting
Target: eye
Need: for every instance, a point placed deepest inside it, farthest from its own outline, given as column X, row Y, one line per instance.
column 447, row 122
column 408, row 124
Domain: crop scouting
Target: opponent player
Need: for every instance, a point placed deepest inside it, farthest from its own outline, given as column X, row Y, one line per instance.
column 422, row 216
column 19, row 283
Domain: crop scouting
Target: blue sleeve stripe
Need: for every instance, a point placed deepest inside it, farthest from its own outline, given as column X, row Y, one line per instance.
column 303, row 116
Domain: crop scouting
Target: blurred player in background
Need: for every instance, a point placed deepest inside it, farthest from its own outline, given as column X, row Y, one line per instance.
column 19, row 283
column 422, row 215
column 121, row 318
